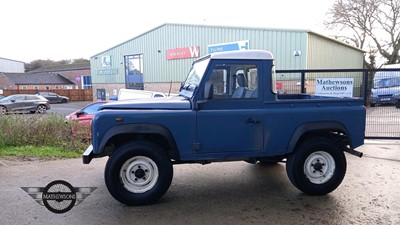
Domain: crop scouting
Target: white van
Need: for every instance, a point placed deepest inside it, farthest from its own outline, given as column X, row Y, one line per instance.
column 385, row 85
column 126, row 94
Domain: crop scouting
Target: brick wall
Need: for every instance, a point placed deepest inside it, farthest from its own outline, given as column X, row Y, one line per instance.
column 5, row 83
column 71, row 75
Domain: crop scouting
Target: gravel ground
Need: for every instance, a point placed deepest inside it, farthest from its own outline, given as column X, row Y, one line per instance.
column 219, row 193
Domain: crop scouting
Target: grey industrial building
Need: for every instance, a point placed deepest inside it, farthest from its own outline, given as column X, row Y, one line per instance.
column 159, row 59
column 11, row 66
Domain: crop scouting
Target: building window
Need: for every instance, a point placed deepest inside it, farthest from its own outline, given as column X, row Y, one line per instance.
column 134, row 72
column 24, row 87
column 86, row 82
column 36, row 87
column 57, row 87
column 47, row 88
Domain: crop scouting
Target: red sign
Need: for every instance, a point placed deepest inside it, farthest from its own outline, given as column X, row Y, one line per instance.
column 183, row 53
column 279, row 85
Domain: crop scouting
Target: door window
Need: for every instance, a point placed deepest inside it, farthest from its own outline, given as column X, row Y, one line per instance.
column 234, row 81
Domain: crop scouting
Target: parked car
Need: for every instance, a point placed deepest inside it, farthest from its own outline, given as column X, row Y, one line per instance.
column 54, row 97
column 82, row 118
column 386, row 85
column 129, row 94
column 1, row 96
column 397, row 100
column 24, row 103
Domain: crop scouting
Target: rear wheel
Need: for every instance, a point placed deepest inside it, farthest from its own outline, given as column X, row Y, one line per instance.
column 317, row 166
column 138, row 173
column 3, row 110
column 64, row 100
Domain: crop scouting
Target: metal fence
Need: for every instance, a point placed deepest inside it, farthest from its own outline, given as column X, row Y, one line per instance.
column 378, row 88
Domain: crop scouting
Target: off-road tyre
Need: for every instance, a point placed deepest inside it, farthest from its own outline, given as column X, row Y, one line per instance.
column 138, row 173
column 317, row 166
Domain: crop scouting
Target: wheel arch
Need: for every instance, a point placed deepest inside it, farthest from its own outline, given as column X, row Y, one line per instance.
column 325, row 128
column 156, row 133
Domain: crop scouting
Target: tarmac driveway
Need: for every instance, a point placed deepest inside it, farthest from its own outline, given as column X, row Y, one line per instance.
column 219, row 193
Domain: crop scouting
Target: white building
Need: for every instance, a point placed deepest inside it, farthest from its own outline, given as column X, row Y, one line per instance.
column 11, row 66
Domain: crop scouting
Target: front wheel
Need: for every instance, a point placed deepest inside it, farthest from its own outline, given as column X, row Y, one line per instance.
column 138, row 173
column 317, row 166
column 41, row 109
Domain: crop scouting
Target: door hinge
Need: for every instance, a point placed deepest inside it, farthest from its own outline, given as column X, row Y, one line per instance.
column 196, row 146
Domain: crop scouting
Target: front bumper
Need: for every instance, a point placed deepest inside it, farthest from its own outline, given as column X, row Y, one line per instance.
column 383, row 100
column 87, row 156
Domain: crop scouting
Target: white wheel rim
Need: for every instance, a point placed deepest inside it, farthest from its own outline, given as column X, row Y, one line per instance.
column 139, row 174
column 319, row 167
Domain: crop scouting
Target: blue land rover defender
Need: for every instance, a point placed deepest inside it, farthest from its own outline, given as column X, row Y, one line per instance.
column 228, row 109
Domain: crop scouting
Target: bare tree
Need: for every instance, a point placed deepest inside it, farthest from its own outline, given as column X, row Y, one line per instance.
column 388, row 24
column 372, row 25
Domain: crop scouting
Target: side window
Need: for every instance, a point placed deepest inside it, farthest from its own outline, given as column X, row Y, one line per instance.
column 235, row 81
column 29, row 97
column 19, row 98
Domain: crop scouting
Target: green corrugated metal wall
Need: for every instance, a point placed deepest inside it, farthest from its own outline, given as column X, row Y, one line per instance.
column 325, row 53
column 154, row 44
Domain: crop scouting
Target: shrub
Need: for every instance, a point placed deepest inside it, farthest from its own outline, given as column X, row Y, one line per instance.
column 38, row 130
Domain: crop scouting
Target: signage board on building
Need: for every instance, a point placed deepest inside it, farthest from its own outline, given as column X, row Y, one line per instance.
column 230, row 46
column 183, row 53
column 106, row 61
column 335, row 87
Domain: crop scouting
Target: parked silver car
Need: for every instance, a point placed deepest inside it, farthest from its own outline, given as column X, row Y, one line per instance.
column 24, row 103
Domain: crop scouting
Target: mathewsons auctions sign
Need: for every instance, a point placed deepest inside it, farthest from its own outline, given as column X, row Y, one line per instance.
column 335, row 87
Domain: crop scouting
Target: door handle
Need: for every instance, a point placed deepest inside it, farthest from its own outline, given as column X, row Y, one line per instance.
column 252, row 121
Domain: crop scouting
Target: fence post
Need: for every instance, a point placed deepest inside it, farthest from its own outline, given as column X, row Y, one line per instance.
column 303, row 82
column 365, row 86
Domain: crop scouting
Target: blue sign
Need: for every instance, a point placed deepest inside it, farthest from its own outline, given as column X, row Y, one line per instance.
column 231, row 46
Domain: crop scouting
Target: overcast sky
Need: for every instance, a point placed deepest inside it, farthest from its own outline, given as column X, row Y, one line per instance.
column 56, row 30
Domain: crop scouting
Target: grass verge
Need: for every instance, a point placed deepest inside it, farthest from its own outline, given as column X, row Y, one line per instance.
column 45, row 136
column 38, row 152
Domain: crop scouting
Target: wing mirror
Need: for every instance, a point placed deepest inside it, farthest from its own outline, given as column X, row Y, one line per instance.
column 79, row 113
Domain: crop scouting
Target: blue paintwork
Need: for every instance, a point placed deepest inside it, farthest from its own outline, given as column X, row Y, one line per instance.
column 233, row 128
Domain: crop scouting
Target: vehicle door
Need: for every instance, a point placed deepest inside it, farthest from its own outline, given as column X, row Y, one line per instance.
column 52, row 97
column 232, row 120
column 17, row 103
column 31, row 103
